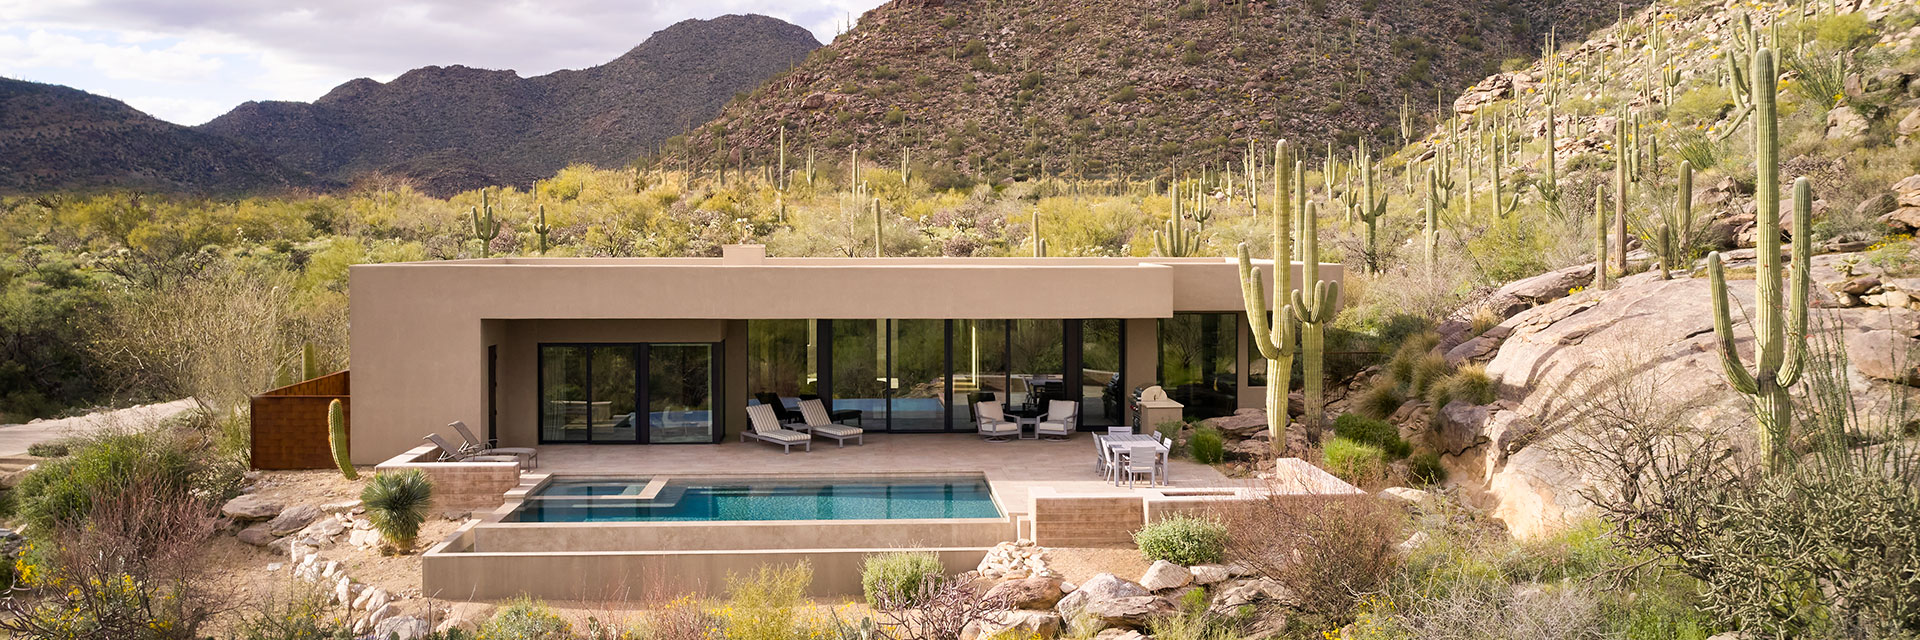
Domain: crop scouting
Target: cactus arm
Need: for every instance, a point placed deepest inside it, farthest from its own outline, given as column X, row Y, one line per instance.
column 1599, row 238
column 1736, row 371
column 1797, row 305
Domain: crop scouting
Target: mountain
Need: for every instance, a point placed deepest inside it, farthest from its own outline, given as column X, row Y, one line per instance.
column 58, row 138
column 456, row 128
column 1127, row 87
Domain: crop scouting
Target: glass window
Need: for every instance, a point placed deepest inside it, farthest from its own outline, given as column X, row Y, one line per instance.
column 1198, row 352
column 1101, row 402
column 860, row 376
column 919, row 400
column 1038, row 364
column 563, row 394
column 979, row 366
column 613, row 376
column 781, row 359
column 680, row 393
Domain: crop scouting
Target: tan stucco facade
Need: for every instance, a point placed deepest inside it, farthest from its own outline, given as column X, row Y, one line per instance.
column 421, row 332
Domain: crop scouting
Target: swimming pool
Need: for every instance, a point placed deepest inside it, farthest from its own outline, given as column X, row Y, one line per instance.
column 757, row 499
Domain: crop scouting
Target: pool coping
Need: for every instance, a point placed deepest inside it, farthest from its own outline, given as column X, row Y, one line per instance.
column 533, row 482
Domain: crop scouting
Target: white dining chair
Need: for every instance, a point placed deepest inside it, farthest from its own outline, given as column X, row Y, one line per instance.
column 1119, row 431
column 1142, row 459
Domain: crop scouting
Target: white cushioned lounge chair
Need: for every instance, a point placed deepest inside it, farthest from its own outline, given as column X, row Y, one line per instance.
column 450, row 453
column 1060, row 420
column 993, row 422
column 814, row 416
column 766, row 428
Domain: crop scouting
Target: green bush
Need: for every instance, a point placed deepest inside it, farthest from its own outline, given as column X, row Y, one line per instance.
column 1378, row 433
column 898, row 577
column 1182, row 539
column 1700, row 107
column 525, row 619
column 1207, row 446
column 1356, row 463
column 54, row 449
column 397, row 504
column 1468, row 384
column 764, row 603
column 62, row 490
column 1425, row 468
column 1380, row 401
column 1843, row 30
column 1428, row 370
column 1406, row 358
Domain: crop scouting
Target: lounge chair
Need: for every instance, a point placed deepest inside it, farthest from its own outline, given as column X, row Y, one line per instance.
column 450, row 453
column 766, row 428
column 780, row 409
column 817, row 423
column 993, row 422
column 1060, row 420
column 478, row 447
column 838, row 415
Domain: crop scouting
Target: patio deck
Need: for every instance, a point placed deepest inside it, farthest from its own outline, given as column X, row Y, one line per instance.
column 1012, row 468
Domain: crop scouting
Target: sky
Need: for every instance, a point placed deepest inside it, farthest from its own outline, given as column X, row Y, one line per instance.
column 188, row 61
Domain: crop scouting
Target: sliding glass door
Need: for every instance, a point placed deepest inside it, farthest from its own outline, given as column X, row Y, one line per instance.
column 591, row 393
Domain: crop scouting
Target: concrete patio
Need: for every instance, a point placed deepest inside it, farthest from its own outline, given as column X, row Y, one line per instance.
column 1012, row 468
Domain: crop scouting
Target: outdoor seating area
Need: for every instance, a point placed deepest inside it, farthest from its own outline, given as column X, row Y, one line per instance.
column 1120, row 454
column 772, row 423
column 473, row 449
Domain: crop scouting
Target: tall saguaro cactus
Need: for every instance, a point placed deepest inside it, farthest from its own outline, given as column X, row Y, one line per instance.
column 337, row 439
column 1779, row 331
column 540, row 228
column 1430, row 233
column 1622, row 174
column 1367, row 207
column 1313, row 307
column 485, row 227
column 1273, row 335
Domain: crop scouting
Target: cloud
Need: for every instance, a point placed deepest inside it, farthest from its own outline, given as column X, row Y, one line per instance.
column 177, row 56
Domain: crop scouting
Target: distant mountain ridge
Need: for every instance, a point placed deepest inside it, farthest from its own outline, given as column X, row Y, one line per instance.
column 59, row 138
column 455, row 128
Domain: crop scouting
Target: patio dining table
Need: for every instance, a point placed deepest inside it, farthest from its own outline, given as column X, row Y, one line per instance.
column 1119, row 443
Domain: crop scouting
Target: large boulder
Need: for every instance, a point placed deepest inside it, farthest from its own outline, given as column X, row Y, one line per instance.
column 1100, row 588
column 258, row 535
column 1845, row 123
column 250, row 507
column 1163, row 575
column 1028, row 593
column 1243, row 422
column 1134, row 612
column 1022, row 622
column 1527, row 293
column 402, row 628
column 1659, row 332
column 293, row 519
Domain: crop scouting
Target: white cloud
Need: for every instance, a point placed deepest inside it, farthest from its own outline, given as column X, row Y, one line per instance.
column 181, row 55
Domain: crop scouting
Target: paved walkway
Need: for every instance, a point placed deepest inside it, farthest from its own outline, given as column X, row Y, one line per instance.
column 15, row 438
column 1011, row 467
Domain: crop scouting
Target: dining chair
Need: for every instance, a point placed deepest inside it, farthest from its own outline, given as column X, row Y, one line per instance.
column 1142, row 459
column 1119, row 431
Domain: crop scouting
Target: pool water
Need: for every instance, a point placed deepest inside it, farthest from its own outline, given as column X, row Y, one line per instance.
column 707, row 499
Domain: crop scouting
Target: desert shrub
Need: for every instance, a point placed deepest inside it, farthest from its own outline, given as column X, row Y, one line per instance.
column 1364, row 430
column 764, row 603
column 1170, row 430
column 1207, row 446
column 1424, row 468
column 682, row 618
column 1843, row 30
column 525, row 619
column 1701, row 106
column 1183, row 540
column 1195, row 621
column 1400, row 367
column 61, row 491
column 943, row 610
column 1469, row 384
column 302, row 612
column 397, row 504
column 1356, row 463
column 1429, row 369
column 128, row 569
column 1327, row 552
column 898, row 576
column 1380, row 401
column 54, row 449
column 1697, row 149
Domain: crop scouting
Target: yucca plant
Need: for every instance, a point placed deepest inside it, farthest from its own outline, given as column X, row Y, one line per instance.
column 397, row 504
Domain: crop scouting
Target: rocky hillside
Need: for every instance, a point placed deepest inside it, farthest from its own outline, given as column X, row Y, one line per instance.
column 456, row 128
column 1129, row 87
column 58, row 138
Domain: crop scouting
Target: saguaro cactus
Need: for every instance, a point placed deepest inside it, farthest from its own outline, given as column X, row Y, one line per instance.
column 1430, row 234
column 1600, row 237
column 1314, row 309
column 1368, row 208
column 1622, row 174
column 1779, row 330
column 309, row 362
column 1273, row 335
column 1676, row 231
column 540, row 228
column 337, row 439
column 485, row 227
column 1175, row 240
